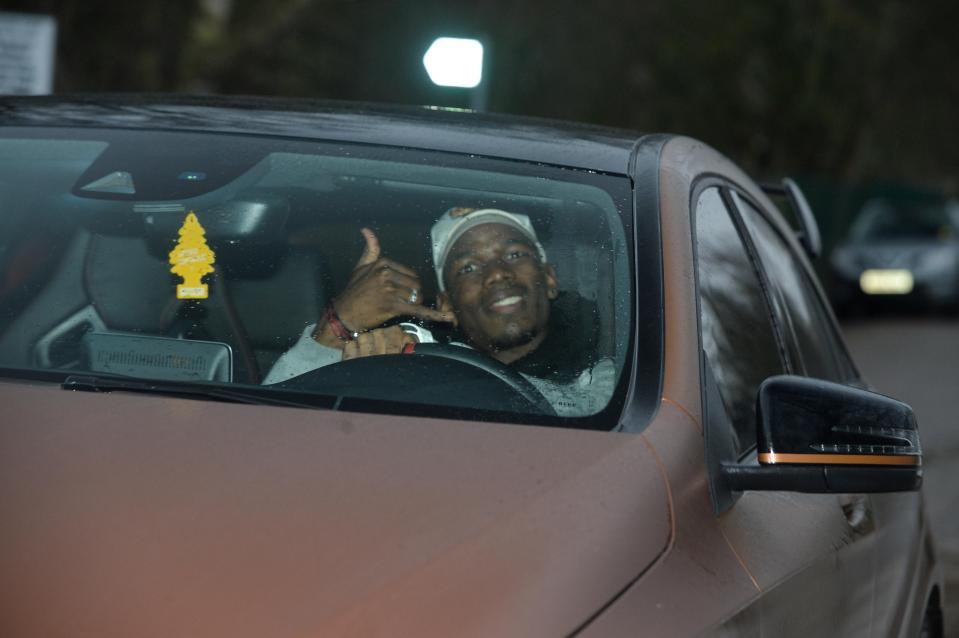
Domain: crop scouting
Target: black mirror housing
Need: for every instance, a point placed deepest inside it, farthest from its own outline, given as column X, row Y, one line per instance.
column 818, row 436
column 807, row 421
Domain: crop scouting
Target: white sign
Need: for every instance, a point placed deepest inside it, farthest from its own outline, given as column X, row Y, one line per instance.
column 27, row 49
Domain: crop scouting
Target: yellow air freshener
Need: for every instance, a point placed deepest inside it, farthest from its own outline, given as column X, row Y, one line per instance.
column 191, row 259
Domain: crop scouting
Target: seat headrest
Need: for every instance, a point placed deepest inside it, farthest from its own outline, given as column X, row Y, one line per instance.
column 130, row 288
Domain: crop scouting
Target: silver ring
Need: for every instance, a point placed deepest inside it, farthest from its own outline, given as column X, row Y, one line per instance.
column 413, row 296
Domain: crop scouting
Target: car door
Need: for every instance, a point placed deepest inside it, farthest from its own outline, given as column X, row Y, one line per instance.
column 789, row 542
column 885, row 525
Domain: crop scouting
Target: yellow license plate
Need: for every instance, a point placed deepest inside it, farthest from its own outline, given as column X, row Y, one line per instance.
column 886, row 282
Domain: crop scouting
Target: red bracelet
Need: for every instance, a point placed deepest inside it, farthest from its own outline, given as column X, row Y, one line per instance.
column 336, row 324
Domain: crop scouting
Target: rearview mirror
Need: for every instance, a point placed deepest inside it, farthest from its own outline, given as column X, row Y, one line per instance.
column 250, row 216
column 817, row 436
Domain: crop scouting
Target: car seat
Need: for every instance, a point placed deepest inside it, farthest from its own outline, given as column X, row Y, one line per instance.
column 578, row 245
column 121, row 285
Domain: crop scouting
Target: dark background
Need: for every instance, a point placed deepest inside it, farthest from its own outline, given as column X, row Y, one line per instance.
column 841, row 94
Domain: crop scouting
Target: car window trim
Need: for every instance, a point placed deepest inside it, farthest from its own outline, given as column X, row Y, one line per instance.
column 698, row 185
column 844, row 363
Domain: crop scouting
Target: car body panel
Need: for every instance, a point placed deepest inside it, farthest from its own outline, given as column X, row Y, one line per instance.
column 900, row 564
column 783, row 567
column 701, row 579
column 808, row 580
column 250, row 521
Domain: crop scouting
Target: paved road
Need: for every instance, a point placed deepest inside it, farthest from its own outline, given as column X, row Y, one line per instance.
column 916, row 360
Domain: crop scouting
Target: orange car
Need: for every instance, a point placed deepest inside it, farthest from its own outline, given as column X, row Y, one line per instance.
column 278, row 368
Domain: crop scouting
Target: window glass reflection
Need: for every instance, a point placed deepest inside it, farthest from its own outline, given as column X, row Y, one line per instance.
column 736, row 329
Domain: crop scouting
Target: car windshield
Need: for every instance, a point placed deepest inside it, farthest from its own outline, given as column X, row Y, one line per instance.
column 883, row 219
column 206, row 261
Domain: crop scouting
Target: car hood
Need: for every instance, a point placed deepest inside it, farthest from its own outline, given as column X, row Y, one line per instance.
column 131, row 515
column 885, row 254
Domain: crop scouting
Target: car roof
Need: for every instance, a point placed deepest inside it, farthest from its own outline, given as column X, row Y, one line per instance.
column 575, row 145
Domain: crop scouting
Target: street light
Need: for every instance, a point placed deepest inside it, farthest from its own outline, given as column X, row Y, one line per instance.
column 458, row 62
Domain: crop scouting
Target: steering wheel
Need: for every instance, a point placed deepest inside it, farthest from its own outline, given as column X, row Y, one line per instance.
column 517, row 382
column 455, row 377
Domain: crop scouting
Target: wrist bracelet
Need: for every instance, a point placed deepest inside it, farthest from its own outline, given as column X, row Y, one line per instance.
column 336, row 324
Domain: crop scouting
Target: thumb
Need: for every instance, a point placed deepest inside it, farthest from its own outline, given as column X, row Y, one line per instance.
column 372, row 250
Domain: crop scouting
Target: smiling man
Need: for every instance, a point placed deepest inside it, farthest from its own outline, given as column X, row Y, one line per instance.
column 494, row 277
column 496, row 286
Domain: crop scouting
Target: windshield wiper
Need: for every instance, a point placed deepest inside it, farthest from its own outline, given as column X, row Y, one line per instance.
column 89, row 383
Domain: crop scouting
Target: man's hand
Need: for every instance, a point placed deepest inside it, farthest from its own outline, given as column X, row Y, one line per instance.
column 389, row 340
column 379, row 290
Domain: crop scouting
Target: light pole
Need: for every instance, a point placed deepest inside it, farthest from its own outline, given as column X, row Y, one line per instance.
column 458, row 62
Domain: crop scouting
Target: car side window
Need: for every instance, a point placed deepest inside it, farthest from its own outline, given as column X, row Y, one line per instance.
column 814, row 346
column 735, row 321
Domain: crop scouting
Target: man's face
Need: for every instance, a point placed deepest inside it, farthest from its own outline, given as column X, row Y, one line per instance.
column 499, row 289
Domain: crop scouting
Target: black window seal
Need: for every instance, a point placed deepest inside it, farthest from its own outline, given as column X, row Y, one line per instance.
column 642, row 403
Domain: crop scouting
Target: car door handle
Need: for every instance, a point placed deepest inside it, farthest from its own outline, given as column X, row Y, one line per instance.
column 858, row 511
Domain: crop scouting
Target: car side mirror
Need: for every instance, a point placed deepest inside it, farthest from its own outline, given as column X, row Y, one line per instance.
column 818, row 436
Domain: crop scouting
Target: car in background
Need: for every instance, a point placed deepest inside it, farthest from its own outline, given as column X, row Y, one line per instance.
column 735, row 476
column 899, row 253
